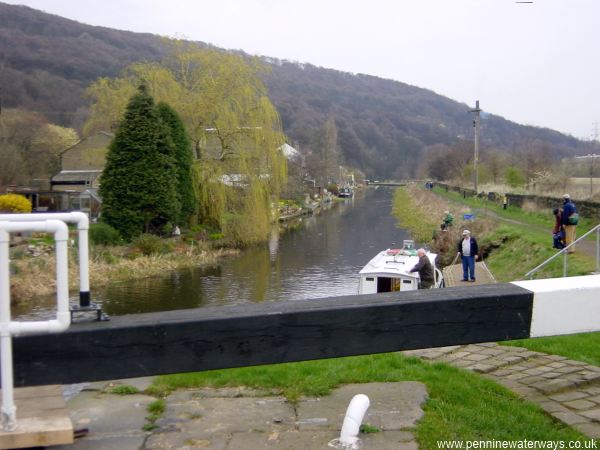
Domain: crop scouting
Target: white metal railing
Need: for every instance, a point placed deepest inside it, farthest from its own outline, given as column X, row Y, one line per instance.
column 9, row 328
column 565, row 253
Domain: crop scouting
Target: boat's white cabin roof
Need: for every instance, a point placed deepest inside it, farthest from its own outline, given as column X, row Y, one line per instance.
column 395, row 262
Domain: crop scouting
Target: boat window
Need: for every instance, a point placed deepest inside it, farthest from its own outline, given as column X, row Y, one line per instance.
column 370, row 279
column 407, row 281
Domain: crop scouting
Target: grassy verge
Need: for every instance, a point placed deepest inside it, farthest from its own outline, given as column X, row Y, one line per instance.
column 580, row 347
column 513, row 250
column 461, row 405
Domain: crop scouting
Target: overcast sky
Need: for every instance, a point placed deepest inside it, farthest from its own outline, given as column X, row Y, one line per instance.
column 534, row 63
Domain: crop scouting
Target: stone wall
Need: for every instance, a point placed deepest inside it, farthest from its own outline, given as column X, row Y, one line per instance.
column 586, row 209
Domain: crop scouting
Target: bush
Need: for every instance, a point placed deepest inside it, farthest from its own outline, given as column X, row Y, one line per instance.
column 333, row 188
column 14, row 203
column 150, row 244
column 514, row 177
column 104, row 234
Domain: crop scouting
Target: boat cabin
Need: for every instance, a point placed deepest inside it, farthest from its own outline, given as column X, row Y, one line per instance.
column 389, row 270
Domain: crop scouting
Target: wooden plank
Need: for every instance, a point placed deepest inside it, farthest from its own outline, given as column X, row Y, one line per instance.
column 453, row 275
column 213, row 338
column 42, row 419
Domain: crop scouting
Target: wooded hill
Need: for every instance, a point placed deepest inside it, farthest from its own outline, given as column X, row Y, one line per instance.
column 384, row 126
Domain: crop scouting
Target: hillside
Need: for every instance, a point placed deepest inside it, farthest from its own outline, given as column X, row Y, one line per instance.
column 46, row 62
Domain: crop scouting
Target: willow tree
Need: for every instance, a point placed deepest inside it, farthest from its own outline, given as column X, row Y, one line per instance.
column 234, row 128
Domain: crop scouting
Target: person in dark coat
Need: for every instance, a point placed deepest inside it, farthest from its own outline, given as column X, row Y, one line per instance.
column 425, row 269
column 568, row 210
column 558, row 233
column 468, row 251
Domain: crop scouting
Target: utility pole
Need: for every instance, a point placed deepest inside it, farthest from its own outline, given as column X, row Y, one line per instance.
column 476, row 122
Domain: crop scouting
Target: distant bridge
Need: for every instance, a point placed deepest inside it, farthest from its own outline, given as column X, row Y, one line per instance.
column 386, row 183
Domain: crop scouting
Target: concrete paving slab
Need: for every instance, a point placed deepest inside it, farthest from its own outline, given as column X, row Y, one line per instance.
column 200, row 419
column 305, row 440
column 228, row 415
column 105, row 443
column 393, row 406
column 113, row 421
column 105, row 413
column 190, row 440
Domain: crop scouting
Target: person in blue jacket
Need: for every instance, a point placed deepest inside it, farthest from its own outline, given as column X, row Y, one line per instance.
column 569, row 218
column 468, row 251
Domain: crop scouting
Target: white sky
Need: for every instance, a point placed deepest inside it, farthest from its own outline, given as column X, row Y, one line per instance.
column 536, row 64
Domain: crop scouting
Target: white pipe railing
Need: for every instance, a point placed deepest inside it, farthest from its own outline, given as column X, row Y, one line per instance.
column 565, row 253
column 83, row 225
column 10, row 328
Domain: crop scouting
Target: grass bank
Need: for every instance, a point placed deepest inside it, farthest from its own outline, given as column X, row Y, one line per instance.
column 35, row 275
column 461, row 405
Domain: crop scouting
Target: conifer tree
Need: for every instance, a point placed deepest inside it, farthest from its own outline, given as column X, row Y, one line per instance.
column 138, row 185
column 183, row 160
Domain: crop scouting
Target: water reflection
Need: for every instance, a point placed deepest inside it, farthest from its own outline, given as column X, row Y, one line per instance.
column 319, row 256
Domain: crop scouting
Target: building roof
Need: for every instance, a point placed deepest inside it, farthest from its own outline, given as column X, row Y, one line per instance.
column 289, row 151
column 73, row 176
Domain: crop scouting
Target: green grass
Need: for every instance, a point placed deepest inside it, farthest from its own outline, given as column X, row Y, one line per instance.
column 580, row 347
column 156, row 409
column 367, row 428
column 461, row 405
column 124, row 389
column 517, row 249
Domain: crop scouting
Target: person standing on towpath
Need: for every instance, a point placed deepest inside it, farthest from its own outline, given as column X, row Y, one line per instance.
column 468, row 250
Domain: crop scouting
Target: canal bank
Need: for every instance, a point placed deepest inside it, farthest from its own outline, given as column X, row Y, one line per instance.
column 319, row 256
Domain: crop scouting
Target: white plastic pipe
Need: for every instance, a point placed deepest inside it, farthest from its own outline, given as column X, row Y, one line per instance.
column 8, row 412
column 63, row 316
column 354, row 416
column 9, row 328
column 83, row 225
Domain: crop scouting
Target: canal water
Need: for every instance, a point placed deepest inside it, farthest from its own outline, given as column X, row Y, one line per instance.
column 321, row 257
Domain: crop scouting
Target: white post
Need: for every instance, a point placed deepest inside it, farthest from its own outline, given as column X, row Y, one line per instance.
column 354, row 416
